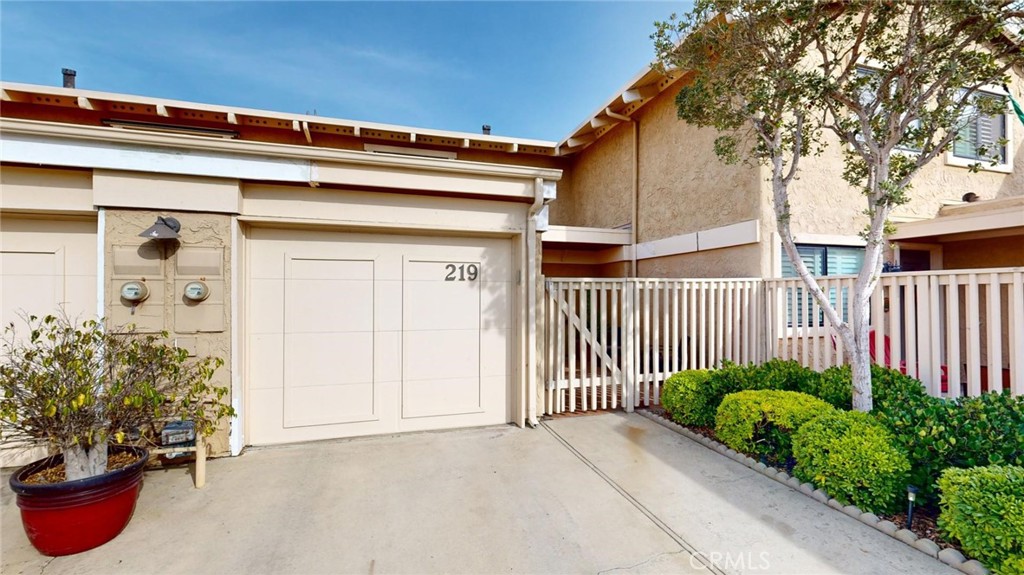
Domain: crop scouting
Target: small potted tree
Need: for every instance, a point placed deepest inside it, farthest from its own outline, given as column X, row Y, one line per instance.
column 94, row 396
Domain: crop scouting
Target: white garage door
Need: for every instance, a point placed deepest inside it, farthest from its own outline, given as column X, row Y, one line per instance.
column 356, row 334
column 46, row 266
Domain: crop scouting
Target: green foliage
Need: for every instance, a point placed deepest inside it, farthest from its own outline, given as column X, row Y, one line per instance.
column 967, row 432
column 71, row 385
column 983, row 509
column 682, row 395
column 784, row 374
column 852, row 457
column 701, row 401
column 890, row 385
column 760, row 421
column 774, row 76
column 834, row 386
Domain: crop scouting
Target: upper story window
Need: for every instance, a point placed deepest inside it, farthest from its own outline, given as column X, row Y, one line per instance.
column 984, row 137
column 867, row 94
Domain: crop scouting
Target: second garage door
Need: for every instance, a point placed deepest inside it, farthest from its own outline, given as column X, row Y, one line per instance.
column 355, row 334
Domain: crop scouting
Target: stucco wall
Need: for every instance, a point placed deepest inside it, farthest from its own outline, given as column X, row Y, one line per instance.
column 738, row 261
column 197, row 230
column 822, row 203
column 684, row 187
column 599, row 191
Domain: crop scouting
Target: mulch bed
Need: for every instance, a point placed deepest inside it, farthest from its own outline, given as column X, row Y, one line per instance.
column 57, row 474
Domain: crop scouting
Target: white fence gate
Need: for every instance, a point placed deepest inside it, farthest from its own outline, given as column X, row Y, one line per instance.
column 611, row 343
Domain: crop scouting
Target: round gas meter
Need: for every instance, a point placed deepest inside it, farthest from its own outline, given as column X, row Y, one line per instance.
column 134, row 291
column 197, row 291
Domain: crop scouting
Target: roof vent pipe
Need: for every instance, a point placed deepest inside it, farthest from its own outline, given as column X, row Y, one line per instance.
column 486, row 129
column 69, row 77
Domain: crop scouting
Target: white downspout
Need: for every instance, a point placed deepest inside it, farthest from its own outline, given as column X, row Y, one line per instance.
column 101, row 283
column 531, row 301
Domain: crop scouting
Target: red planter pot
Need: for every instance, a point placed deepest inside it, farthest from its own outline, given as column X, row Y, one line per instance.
column 74, row 516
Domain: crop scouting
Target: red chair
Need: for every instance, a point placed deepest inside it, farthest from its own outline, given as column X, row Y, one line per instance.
column 886, row 348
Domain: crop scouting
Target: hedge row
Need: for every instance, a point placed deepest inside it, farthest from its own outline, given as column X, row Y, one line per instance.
column 983, row 508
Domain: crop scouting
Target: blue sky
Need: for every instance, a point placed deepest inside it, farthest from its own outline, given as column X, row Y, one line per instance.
column 530, row 69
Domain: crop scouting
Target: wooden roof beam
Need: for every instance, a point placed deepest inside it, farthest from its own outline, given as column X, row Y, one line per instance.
column 640, row 93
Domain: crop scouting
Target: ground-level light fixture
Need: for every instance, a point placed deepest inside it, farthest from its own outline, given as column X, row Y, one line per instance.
column 165, row 228
column 911, row 497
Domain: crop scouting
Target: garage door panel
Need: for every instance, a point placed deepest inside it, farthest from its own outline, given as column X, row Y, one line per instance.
column 433, row 302
column 436, row 354
column 377, row 333
column 325, row 359
column 388, row 315
column 301, row 268
column 323, row 405
column 496, row 305
column 387, row 347
column 266, row 297
column 267, row 361
column 495, row 352
column 328, row 305
column 441, row 397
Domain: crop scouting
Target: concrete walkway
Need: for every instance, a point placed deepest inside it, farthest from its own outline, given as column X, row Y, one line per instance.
column 604, row 493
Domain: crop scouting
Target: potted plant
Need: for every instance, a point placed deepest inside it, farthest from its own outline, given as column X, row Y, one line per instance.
column 87, row 392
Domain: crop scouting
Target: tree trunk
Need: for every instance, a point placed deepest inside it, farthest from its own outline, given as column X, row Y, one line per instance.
column 80, row 462
column 860, row 362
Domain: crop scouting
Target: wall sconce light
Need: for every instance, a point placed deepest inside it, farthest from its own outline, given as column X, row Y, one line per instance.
column 165, row 228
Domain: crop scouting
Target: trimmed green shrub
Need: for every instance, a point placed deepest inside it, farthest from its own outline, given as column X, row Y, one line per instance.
column 730, row 378
column 834, row 386
column 983, row 509
column 967, row 432
column 760, row 421
column 702, row 402
column 854, row 458
column 682, row 395
column 891, row 386
column 786, row 375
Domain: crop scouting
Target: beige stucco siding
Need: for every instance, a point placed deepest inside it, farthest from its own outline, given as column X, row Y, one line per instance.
column 738, row 261
column 601, row 184
column 684, row 187
column 204, row 329
column 822, row 203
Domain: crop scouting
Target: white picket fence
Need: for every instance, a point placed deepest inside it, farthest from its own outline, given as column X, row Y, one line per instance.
column 611, row 343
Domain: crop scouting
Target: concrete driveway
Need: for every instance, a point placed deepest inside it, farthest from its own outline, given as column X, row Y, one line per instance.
column 595, row 494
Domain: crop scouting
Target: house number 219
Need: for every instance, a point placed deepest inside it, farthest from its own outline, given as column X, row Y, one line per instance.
column 461, row 273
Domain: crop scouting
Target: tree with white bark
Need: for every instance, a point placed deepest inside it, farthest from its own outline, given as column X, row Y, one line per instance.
column 76, row 387
column 892, row 82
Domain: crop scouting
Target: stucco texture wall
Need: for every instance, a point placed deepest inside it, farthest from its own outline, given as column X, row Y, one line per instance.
column 598, row 190
column 160, row 312
column 822, row 203
column 684, row 187
column 738, row 261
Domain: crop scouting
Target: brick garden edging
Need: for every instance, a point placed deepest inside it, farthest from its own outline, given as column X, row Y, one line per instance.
column 949, row 556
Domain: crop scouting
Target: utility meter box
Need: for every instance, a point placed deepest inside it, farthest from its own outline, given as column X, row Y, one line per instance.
column 199, row 290
column 136, row 291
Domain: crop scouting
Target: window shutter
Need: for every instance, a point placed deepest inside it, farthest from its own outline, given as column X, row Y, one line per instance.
column 990, row 131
